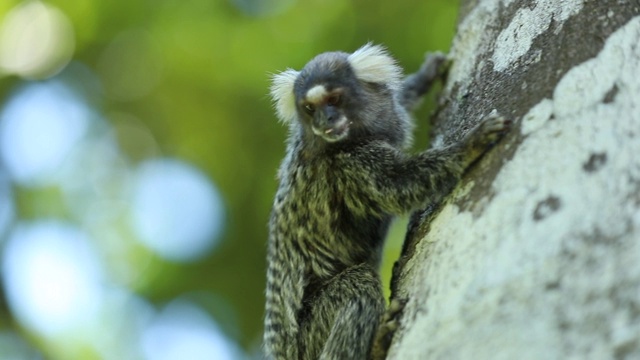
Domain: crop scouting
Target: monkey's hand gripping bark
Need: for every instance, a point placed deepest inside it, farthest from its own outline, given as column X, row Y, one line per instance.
column 475, row 143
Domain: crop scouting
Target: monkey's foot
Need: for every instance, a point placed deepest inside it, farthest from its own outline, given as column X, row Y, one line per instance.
column 388, row 326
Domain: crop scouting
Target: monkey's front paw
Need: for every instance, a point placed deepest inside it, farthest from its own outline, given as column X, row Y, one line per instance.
column 491, row 128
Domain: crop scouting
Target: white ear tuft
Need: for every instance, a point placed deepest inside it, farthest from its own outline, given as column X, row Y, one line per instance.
column 372, row 63
column 282, row 94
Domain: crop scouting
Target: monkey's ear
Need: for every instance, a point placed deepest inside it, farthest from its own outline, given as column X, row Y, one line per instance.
column 372, row 63
column 282, row 94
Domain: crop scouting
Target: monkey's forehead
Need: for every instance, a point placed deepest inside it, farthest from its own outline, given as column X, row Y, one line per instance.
column 330, row 70
column 327, row 60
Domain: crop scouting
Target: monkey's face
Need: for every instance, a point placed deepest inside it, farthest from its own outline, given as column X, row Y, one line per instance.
column 338, row 96
column 322, row 110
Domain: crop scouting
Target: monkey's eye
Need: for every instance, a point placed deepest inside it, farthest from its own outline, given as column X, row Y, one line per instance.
column 333, row 100
column 309, row 108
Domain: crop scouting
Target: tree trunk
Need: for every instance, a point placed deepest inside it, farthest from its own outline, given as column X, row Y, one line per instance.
column 536, row 254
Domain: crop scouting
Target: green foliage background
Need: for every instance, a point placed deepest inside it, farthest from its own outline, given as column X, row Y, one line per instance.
column 209, row 106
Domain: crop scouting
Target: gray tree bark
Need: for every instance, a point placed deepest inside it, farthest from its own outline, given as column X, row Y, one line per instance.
column 536, row 254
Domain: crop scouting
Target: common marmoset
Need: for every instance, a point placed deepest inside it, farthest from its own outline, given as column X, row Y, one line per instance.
column 344, row 176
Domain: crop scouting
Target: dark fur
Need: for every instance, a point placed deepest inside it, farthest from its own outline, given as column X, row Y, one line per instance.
column 334, row 205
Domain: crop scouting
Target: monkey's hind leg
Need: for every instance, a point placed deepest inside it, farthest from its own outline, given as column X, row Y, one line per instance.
column 345, row 315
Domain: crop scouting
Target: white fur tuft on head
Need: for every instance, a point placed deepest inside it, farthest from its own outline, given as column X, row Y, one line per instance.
column 372, row 63
column 282, row 94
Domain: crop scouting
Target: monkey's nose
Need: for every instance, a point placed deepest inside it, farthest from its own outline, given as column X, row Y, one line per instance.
column 330, row 114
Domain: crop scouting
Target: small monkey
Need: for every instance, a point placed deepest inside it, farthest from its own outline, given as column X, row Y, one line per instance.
column 344, row 177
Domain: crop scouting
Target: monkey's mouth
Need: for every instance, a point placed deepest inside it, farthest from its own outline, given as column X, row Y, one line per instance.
column 335, row 132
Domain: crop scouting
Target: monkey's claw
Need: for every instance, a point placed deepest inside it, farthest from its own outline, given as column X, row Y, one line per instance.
column 493, row 126
column 388, row 326
column 395, row 308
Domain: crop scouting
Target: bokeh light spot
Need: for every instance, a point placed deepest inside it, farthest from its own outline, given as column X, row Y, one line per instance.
column 130, row 66
column 183, row 331
column 38, row 128
column 118, row 330
column 6, row 203
column 52, row 277
column 176, row 210
column 36, row 40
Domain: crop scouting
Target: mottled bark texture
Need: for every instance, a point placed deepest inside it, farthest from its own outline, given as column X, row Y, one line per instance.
column 536, row 254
